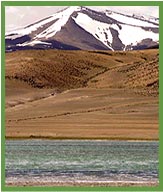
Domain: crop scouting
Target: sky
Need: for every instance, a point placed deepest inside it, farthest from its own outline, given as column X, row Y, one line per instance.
column 20, row 16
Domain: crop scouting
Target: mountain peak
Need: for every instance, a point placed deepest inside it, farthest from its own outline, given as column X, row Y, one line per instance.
column 72, row 8
column 80, row 27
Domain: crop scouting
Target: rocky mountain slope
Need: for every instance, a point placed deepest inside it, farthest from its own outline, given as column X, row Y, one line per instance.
column 77, row 28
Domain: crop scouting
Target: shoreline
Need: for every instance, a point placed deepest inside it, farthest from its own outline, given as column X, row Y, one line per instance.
column 82, row 138
column 86, row 184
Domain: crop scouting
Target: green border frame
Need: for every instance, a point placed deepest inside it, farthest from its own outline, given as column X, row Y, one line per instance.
column 79, row 3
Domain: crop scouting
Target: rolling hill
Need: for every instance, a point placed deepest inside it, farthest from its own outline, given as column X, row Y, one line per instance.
column 82, row 94
column 73, row 69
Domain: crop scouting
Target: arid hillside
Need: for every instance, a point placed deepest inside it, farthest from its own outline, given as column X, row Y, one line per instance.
column 73, row 69
column 82, row 94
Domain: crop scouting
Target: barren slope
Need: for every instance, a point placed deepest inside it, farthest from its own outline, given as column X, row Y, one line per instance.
column 111, row 95
column 73, row 69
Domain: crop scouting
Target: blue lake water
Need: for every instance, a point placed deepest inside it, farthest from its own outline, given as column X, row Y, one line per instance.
column 81, row 161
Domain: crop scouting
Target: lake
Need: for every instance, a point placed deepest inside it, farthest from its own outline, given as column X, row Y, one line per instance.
column 50, row 162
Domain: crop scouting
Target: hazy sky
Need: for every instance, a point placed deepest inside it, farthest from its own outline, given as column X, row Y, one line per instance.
column 20, row 16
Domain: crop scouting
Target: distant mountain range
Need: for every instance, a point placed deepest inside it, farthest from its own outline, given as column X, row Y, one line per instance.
column 77, row 28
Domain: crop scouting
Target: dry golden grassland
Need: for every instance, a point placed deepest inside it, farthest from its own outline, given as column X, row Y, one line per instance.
column 82, row 94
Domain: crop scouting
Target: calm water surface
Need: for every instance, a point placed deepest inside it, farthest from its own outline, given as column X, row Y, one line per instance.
column 81, row 161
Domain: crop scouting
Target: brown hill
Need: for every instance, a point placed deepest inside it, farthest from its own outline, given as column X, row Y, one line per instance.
column 73, row 69
column 104, row 95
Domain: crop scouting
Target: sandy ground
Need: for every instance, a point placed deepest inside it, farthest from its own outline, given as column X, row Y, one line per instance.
column 86, row 184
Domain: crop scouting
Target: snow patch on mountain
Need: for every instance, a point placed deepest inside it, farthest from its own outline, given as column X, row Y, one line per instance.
column 62, row 17
column 62, row 20
column 98, row 29
column 13, row 36
column 130, row 21
column 101, row 31
column 28, row 30
column 32, row 43
column 147, row 18
column 128, row 37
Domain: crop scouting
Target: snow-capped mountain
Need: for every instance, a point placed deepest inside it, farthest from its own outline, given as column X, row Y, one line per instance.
column 82, row 28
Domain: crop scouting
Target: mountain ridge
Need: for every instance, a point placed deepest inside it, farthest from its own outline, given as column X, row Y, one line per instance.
column 86, row 29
